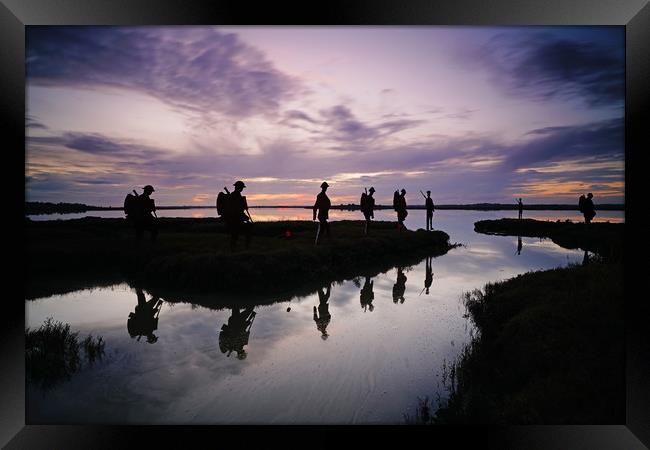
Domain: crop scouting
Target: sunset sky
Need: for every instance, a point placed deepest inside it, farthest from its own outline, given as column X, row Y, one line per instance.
column 474, row 114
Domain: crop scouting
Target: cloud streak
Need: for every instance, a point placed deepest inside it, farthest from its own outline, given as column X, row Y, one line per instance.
column 544, row 67
column 197, row 69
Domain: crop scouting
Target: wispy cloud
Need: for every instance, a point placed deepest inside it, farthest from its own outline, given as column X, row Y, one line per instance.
column 542, row 66
column 199, row 69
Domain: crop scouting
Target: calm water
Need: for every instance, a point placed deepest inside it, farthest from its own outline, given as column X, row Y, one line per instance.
column 371, row 368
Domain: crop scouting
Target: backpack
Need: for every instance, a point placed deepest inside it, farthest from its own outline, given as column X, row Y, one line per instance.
column 396, row 201
column 581, row 203
column 131, row 204
column 364, row 202
column 223, row 203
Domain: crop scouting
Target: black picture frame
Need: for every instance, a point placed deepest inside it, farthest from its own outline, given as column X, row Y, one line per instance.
column 633, row 14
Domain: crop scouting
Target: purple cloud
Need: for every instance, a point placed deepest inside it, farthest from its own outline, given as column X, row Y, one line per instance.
column 200, row 69
column 542, row 67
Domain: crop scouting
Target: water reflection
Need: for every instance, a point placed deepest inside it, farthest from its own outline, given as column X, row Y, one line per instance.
column 428, row 278
column 367, row 295
column 144, row 321
column 371, row 372
column 400, row 286
column 322, row 317
column 520, row 245
column 234, row 334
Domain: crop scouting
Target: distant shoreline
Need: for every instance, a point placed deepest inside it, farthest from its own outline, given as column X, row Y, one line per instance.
column 38, row 208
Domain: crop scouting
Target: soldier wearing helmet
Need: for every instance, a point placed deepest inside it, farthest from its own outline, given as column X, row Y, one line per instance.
column 321, row 210
column 144, row 218
column 367, row 205
column 238, row 219
column 401, row 209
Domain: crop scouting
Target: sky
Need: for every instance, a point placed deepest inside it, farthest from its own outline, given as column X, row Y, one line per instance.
column 473, row 114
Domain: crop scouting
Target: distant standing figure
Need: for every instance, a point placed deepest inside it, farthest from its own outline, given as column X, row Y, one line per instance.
column 323, row 316
column 144, row 215
column 236, row 218
column 429, row 206
column 367, row 205
column 521, row 207
column 400, row 207
column 589, row 210
column 321, row 210
column 367, row 295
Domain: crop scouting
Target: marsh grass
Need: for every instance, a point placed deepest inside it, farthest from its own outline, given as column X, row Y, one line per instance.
column 549, row 350
column 53, row 353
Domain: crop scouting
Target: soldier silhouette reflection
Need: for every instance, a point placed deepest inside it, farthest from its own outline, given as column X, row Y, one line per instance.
column 520, row 245
column 585, row 258
column 322, row 316
column 367, row 295
column 428, row 277
column 234, row 334
column 399, row 287
column 144, row 320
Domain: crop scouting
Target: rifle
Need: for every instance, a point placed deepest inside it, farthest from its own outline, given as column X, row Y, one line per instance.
column 425, row 197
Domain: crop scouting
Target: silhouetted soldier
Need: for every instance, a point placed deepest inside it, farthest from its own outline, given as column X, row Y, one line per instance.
column 401, row 210
column 234, row 335
column 520, row 207
column 428, row 277
column 237, row 218
column 144, row 214
column 589, row 210
column 367, row 295
column 323, row 316
column 368, row 207
column 144, row 320
column 519, row 245
column 428, row 203
column 399, row 287
column 322, row 207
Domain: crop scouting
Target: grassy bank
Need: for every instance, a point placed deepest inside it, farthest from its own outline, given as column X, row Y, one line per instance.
column 195, row 255
column 549, row 347
column 550, row 350
column 605, row 239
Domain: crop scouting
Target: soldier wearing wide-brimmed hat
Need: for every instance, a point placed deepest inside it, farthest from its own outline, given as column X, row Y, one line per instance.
column 321, row 210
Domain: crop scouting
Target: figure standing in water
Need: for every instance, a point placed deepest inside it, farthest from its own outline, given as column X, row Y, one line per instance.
column 367, row 295
column 144, row 321
column 234, row 335
column 589, row 210
column 428, row 278
column 323, row 316
column 321, row 210
column 367, row 205
column 428, row 203
column 520, row 207
column 399, row 287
